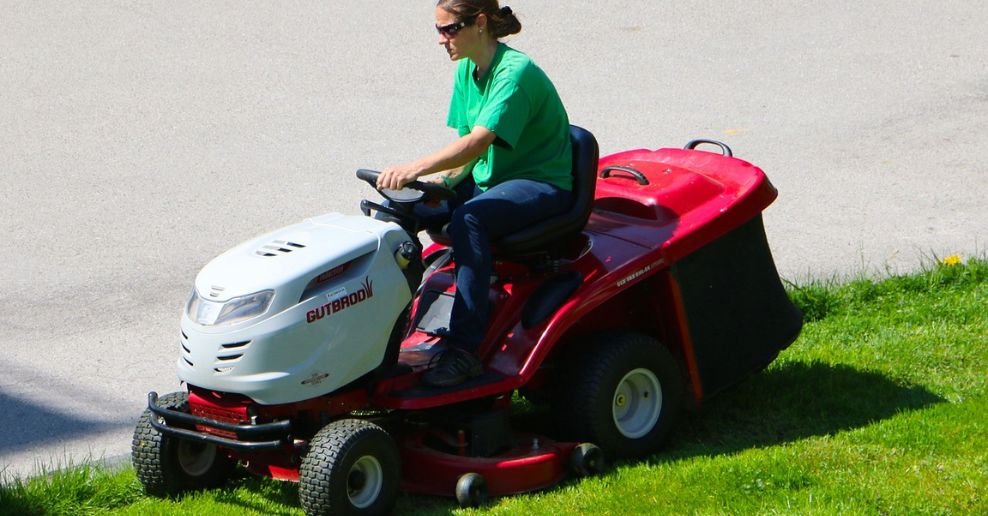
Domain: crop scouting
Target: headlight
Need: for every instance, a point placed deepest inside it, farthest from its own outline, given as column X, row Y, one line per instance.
column 238, row 309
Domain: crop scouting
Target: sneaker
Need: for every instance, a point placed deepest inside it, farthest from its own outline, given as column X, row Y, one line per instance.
column 453, row 367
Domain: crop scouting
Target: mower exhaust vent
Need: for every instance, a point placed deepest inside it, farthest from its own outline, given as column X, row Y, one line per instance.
column 278, row 248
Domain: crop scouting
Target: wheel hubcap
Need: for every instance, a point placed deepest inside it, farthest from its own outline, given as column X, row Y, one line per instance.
column 637, row 403
column 364, row 481
column 195, row 459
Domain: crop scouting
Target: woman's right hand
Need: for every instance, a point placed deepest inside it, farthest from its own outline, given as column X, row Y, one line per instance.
column 395, row 178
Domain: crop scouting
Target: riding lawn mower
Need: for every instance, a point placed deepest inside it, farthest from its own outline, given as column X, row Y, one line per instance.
column 301, row 351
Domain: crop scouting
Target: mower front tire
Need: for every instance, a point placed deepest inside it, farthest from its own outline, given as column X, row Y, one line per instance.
column 352, row 467
column 166, row 466
column 621, row 391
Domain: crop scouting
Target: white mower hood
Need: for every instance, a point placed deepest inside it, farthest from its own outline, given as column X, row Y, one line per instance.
column 296, row 313
column 278, row 260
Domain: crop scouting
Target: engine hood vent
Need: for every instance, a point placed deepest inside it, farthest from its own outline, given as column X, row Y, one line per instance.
column 215, row 291
column 278, row 248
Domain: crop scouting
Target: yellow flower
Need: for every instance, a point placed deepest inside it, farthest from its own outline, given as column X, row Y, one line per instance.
column 952, row 260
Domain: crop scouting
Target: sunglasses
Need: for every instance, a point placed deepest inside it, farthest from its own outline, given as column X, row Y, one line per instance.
column 453, row 29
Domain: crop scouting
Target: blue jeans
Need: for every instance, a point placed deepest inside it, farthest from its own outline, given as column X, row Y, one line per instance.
column 475, row 219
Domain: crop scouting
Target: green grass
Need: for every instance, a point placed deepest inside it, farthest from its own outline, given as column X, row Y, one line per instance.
column 72, row 489
column 880, row 407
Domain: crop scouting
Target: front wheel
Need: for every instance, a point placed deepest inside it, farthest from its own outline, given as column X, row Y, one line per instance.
column 167, row 466
column 622, row 391
column 352, row 467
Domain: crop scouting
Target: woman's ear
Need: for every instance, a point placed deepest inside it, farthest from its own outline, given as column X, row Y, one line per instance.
column 481, row 22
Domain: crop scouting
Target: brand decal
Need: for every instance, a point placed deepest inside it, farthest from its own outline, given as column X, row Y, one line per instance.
column 340, row 300
column 637, row 274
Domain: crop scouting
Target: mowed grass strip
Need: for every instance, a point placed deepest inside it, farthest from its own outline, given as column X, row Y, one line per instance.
column 880, row 407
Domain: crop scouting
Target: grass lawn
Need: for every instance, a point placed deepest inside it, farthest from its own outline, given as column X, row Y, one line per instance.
column 880, row 407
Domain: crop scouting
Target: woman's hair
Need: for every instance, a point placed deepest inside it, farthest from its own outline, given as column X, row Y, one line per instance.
column 501, row 20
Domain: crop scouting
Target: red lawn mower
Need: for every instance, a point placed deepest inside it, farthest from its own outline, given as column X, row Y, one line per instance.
column 301, row 350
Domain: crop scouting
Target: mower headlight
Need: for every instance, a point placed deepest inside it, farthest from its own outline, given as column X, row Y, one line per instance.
column 238, row 309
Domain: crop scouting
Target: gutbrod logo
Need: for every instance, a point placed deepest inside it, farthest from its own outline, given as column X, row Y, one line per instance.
column 340, row 301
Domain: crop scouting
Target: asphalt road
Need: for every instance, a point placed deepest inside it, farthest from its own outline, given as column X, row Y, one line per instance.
column 139, row 139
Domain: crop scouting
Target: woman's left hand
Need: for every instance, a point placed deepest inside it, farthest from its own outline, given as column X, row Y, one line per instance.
column 394, row 178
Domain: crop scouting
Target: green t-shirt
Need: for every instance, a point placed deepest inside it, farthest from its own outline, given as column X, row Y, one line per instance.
column 517, row 102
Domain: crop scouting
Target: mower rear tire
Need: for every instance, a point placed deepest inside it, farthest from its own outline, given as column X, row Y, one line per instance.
column 167, row 466
column 621, row 391
column 352, row 467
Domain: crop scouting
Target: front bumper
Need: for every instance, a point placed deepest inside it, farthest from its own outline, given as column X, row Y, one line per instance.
column 250, row 437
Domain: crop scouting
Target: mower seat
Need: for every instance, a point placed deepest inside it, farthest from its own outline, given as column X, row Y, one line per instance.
column 537, row 238
column 541, row 234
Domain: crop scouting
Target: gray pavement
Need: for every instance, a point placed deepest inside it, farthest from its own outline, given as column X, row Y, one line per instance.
column 139, row 139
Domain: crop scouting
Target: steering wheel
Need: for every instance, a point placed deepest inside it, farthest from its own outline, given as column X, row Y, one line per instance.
column 412, row 192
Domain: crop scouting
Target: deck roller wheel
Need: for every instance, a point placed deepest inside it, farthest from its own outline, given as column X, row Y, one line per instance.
column 587, row 459
column 471, row 490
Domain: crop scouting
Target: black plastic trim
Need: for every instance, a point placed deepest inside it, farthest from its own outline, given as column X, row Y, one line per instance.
column 267, row 436
column 642, row 180
column 724, row 149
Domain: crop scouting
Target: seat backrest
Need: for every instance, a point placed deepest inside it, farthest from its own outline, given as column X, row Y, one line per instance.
column 544, row 232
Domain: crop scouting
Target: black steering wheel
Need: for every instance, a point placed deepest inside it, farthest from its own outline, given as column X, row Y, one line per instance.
column 412, row 192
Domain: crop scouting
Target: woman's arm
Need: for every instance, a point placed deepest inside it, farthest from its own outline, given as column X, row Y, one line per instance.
column 455, row 155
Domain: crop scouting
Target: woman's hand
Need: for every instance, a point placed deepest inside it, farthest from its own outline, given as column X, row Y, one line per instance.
column 455, row 155
column 394, row 178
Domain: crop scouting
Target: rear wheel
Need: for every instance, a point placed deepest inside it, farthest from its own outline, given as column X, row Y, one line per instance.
column 352, row 467
column 622, row 391
column 167, row 466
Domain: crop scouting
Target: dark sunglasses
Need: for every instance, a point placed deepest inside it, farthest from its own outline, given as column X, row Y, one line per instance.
column 453, row 29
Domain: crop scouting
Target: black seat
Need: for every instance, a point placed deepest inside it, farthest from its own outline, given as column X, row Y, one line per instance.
column 541, row 234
